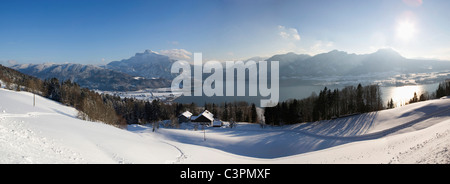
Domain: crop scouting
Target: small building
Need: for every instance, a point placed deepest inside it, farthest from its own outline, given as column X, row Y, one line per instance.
column 217, row 123
column 205, row 118
column 184, row 117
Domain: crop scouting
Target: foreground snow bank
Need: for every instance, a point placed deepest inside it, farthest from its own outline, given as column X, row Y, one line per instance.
column 403, row 135
column 50, row 133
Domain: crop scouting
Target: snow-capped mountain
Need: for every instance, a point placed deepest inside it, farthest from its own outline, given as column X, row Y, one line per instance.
column 90, row 76
column 152, row 70
column 148, row 64
column 338, row 63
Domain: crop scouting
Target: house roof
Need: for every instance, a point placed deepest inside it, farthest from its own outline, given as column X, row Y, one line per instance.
column 208, row 115
column 186, row 114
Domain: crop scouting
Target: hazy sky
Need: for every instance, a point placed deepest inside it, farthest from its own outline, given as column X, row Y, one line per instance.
column 100, row 31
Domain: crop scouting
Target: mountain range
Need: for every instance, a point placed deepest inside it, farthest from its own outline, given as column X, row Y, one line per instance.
column 152, row 70
column 149, row 64
column 339, row 63
column 91, row 76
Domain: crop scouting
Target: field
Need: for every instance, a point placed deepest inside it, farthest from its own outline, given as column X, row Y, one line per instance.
column 51, row 133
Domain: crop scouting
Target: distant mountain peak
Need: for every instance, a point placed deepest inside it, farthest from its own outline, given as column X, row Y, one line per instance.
column 148, row 64
column 146, row 53
column 149, row 51
column 335, row 51
column 388, row 52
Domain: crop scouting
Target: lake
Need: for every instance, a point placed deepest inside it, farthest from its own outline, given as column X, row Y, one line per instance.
column 299, row 89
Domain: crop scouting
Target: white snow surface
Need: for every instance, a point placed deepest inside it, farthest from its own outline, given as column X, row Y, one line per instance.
column 51, row 133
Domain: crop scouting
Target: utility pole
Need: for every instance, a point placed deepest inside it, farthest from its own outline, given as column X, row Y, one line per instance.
column 204, row 133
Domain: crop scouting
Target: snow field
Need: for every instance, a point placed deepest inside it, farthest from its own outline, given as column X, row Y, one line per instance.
column 50, row 133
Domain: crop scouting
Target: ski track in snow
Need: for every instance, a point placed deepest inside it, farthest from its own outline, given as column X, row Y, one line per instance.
column 114, row 156
column 180, row 158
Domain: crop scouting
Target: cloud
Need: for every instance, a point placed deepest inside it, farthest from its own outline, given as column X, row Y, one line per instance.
column 288, row 33
column 177, row 54
column 321, row 47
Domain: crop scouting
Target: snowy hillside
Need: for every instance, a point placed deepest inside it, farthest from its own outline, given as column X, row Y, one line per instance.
column 50, row 133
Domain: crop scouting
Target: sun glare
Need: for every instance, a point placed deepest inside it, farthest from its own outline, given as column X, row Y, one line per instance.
column 402, row 95
column 406, row 30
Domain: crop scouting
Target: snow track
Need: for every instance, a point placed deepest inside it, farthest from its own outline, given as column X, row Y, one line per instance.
column 180, row 158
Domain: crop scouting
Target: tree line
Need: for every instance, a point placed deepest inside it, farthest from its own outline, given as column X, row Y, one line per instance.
column 443, row 89
column 329, row 104
column 237, row 111
column 111, row 109
column 339, row 103
column 114, row 110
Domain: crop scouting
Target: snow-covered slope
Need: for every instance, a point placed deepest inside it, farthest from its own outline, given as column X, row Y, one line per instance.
column 50, row 133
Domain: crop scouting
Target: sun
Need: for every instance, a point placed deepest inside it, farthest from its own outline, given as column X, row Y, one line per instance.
column 406, row 30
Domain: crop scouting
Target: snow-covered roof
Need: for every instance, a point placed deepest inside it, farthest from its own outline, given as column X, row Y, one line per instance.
column 207, row 114
column 186, row 114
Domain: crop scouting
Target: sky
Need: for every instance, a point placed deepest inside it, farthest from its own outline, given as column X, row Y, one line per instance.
column 101, row 31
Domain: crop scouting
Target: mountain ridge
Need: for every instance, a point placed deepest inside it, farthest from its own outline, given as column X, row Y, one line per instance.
column 152, row 70
column 148, row 64
column 90, row 76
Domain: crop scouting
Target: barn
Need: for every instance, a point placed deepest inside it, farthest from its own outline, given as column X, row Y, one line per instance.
column 205, row 118
column 185, row 117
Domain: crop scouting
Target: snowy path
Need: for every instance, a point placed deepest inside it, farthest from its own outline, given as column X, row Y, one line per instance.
column 180, row 158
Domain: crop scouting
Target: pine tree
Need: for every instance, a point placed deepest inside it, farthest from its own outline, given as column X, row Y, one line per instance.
column 225, row 112
column 253, row 114
column 390, row 104
column 359, row 99
column 414, row 99
column 53, row 89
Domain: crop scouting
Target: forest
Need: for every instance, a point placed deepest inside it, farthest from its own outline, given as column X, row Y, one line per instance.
column 329, row 104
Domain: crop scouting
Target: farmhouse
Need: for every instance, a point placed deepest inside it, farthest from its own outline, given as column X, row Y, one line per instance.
column 205, row 118
column 185, row 117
